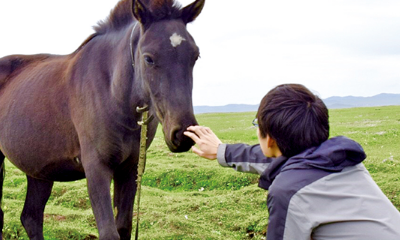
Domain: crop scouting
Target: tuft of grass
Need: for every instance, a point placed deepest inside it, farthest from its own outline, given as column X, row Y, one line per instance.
column 187, row 197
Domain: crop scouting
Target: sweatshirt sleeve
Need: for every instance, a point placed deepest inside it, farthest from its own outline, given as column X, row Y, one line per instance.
column 243, row 158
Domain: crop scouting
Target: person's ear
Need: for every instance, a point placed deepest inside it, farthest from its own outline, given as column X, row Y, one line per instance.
column 273, row 148
column 270, row 142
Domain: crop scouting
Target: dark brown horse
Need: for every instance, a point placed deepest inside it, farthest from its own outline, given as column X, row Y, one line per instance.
column 64, row 118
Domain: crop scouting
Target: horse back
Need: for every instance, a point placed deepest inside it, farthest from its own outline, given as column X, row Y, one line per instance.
column 11, row 65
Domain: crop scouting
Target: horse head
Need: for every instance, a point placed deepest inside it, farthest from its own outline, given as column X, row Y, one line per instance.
column 164, row 56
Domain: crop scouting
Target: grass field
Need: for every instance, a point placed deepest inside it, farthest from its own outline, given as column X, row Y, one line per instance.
column 186, row 197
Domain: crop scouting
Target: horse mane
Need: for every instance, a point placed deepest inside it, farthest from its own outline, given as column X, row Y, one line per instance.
column 121, row 16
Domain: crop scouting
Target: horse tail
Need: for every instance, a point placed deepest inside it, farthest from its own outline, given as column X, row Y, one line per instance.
column 5, row 70
column 8, row 65
column 2, row 176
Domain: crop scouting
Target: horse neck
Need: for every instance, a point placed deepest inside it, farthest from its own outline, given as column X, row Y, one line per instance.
column 106, row 58
column 123, row 82
column 121, row 62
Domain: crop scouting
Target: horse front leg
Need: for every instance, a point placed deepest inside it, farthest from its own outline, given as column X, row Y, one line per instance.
column 99, row 177
column 124, row 196
column 36, row 198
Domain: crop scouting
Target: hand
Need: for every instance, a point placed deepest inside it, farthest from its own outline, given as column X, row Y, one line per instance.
column 207, row 141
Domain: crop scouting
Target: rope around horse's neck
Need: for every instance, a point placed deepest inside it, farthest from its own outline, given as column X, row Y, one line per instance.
column 142, row 160
column 131, row 45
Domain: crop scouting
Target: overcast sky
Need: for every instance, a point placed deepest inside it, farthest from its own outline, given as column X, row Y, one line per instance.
column 335, row 47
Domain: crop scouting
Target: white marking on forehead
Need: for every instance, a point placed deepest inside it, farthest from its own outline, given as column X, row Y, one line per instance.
column 176, row 39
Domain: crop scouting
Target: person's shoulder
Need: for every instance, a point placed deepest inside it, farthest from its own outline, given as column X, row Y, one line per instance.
column 289, row 182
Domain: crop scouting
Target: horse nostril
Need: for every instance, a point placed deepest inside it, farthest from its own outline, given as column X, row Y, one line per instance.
column 180, row 141
column 176, row 137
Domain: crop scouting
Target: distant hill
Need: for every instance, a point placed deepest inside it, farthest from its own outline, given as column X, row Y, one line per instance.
column 384, row 99
column 226, row 108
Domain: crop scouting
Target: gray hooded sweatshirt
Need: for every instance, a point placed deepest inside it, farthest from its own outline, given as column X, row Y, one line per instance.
column 324, row 192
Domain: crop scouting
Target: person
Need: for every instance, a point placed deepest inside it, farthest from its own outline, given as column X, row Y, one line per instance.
column 318, row 186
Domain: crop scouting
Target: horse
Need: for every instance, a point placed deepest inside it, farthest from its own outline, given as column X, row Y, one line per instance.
column 69, row 117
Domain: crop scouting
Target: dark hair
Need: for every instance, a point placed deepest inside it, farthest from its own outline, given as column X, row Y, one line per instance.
column 294, row 117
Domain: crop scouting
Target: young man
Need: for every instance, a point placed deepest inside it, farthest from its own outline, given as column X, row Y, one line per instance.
column 318, row 187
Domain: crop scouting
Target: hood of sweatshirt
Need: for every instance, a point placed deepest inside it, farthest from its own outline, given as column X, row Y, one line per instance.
column 333, row 155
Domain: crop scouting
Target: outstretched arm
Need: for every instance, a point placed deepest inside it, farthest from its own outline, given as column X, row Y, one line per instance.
column 205, row 139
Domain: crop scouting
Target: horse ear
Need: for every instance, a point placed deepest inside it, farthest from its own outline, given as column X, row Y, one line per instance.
column 192, row 11
column 140, row 12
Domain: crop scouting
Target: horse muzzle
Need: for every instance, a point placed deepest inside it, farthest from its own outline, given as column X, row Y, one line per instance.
column 176, row 140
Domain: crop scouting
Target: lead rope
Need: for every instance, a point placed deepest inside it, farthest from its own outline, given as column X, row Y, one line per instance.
column 142, row 159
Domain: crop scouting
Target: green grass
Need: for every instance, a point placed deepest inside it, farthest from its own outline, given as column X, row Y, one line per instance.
column 186, row 197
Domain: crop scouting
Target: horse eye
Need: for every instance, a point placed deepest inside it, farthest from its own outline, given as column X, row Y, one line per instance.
column 148, row 60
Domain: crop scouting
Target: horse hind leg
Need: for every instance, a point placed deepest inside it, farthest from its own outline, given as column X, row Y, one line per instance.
column 36, row 198
column 2, row 174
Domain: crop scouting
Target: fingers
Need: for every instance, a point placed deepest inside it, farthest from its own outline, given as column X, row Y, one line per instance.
column 195, row 133
column 192, row 135
column 197, row 151
column 203, row 154
column 201, row 134
column 206, row 140
column 199, row 130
